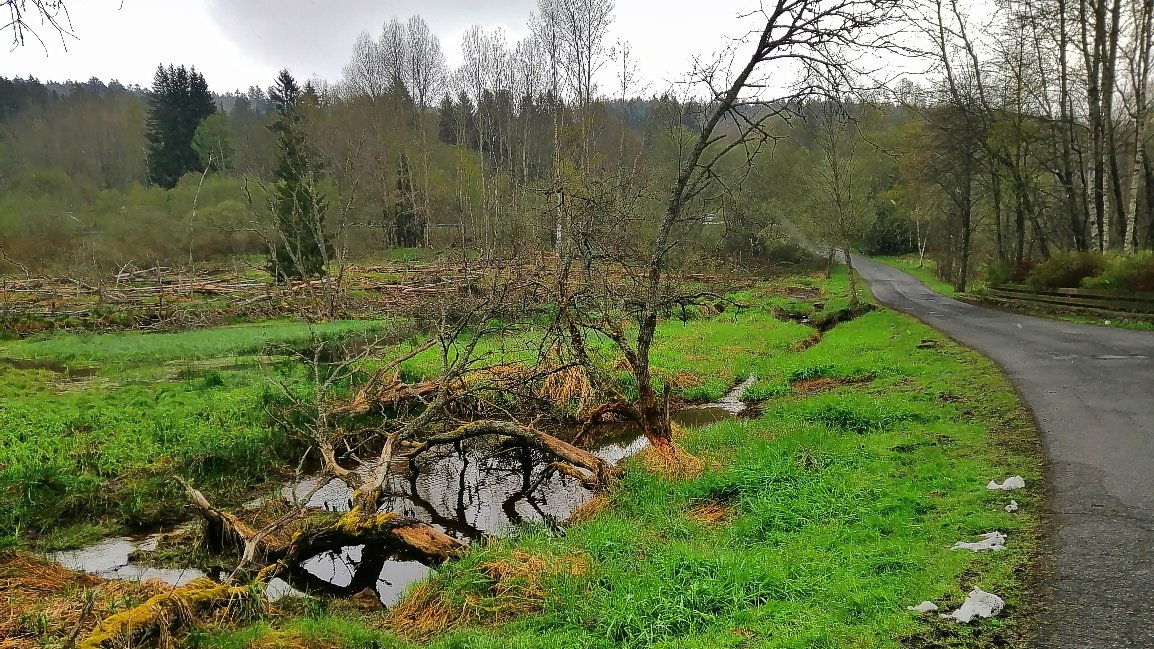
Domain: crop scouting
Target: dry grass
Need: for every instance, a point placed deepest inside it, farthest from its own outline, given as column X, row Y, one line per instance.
column 425, row 612
column 599, row 504
column 563, row 386
column 42, row 603
column 517, row 586
column 679, row 464
column 712, row 514
column 685, row 379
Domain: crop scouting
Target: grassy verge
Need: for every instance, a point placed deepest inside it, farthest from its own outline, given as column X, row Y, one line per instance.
column 923, row 271
column 813, row 525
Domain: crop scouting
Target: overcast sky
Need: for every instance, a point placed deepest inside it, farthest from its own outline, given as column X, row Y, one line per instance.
column 238, row 43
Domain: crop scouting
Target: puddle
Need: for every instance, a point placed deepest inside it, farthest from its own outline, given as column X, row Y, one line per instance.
column 469, row 491
column 476, row 489
column 703, row 416
column 727, row 409
column 110, row 559
column 70, row 372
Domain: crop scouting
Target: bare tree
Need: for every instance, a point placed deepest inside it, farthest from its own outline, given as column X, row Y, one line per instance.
column 425, row 70
column 840, row 186
column 367, row 73
column 23, row 15
column 1139, row 108
column 800, row 45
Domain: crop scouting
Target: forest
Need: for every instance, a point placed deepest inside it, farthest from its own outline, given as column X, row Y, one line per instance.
column 527, row 352
column 1030, row 138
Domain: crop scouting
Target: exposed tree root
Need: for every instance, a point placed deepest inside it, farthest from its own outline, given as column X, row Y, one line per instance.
column 712, row 513
column 222, row 529
column 359, row 527
column 650, row 415
column 362, row 524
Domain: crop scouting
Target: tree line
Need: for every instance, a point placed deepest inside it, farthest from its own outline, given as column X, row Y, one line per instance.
column 1028, row 134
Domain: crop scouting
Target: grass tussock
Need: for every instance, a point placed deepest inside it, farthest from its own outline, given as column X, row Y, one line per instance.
column 566, row 386
column 592, row 508
column 712, row 514
column 506, row 587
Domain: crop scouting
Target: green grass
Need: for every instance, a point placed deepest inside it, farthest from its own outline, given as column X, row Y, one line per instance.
column 80, row 458
column 923, row 272
column 845, row 506
column 215, row 342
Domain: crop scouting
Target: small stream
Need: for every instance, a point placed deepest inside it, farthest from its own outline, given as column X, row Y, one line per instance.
column 474, row 489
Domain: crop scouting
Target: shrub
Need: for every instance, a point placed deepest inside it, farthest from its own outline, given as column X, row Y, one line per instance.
column 999, row 272
column 1066, row 270
column 1126, row 273
column 1004, row 272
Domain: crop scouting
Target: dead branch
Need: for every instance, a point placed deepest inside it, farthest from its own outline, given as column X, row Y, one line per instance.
column 602, row 470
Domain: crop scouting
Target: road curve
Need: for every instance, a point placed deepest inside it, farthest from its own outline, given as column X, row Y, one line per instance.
column 1092, row 391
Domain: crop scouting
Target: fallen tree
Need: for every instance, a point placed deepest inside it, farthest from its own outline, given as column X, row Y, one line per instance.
column 280, row 547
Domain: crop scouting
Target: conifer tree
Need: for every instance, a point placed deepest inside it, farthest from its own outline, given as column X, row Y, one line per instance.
column 177, row 105
column 447, row 121
column 301, row 247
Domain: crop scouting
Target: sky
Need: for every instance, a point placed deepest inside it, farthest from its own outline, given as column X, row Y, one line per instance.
column 239, row 43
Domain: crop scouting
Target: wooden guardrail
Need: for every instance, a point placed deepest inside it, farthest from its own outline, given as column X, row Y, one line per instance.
column 1134, row 305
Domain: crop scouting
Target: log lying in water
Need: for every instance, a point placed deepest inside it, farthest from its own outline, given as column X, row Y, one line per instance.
column 562, row 450
column 363, row 524
column 163, row 614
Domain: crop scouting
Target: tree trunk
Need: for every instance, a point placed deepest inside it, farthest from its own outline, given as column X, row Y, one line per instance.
column 853, row 298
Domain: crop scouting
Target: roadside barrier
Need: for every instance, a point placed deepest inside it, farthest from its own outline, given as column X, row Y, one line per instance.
column 1121, row 304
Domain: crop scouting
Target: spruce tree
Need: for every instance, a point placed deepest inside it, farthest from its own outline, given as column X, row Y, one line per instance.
column 301, row 247
column 447, row 121
column 177, row 105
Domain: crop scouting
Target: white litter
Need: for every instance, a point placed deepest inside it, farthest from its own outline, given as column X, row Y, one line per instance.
column 1012, row 507
column 1011, row 483
column 979, row 604
column 992, row 542
column 924, row 607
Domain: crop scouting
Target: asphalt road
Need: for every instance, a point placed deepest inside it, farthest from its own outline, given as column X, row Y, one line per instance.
column 1092, row 391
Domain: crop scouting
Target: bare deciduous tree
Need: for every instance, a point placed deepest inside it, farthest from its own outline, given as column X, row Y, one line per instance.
column 800, row 47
